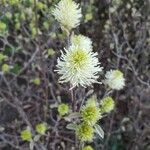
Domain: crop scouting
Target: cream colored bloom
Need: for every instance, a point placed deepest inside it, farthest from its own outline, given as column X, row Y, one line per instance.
column 115, row 79
column 82, row 41
column 68, row 14
column 78, row 66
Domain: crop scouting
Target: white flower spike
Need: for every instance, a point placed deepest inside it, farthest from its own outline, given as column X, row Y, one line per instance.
column 78, row 66
column 114, row 79
column 68, row 14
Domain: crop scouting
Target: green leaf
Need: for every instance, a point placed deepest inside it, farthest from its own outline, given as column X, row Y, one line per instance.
column 50, row 52
column 71, row 126
column 10, row 50
column 36, row 138
column 72, row 116
column 99, row 130
column 53, row 105
column 36, row 81
column 31, row 145
column 16, row 69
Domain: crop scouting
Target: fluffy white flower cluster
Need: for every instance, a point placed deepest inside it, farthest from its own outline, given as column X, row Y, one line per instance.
column 68, row 14
column 115, row 79
column 79, row 65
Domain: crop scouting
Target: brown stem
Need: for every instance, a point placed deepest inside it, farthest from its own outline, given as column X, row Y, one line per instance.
column 73, row 100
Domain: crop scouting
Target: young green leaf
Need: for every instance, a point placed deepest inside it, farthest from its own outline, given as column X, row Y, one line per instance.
column 99, row 130
column 71, row 126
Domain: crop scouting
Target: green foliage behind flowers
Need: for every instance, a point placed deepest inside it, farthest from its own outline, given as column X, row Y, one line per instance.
column 63, row 109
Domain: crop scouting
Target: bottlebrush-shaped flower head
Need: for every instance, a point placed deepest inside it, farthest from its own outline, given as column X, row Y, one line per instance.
column 114, row 79
column 68, row 14
column 78, row 66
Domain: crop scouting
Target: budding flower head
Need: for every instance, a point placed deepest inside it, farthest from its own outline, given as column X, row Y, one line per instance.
column 26, row 135
column 115, row 80
column 3, row 26
column 68, row 14
column 5, row 68
column 90, row 113
column 78, row 66
column 85, row 132
column 41, row 128
column 107, row 105
column 87, row 148
column 82, row 41
column 63, row 109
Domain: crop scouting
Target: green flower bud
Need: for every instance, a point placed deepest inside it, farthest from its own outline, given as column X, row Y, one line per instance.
column 5, row 68
column 26, row 135
column 85, row 132
column 90, row 113
column 46, row 25
column 88, row 17
column 40, row 5
column 36, row 81
column 17, row 26
column 50, row 52
column 3, row 26
column 107, row 105
column 41, row 128
column 87, row 148
column 34, row 31
column 63, row 109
